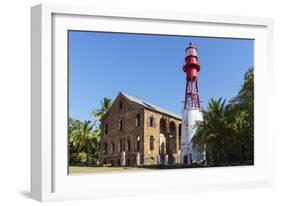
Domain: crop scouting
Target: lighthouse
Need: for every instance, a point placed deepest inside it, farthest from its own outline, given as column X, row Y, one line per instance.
column 191, row 113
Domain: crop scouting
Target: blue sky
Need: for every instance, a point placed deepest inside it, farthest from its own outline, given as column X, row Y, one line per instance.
column 149, row 67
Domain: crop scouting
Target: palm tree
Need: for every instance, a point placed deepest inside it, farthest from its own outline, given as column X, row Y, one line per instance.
column 85, row 137
column 98, row 114
column 105, row 106
column 73, row 127
column 214, row 132
column 82, row 139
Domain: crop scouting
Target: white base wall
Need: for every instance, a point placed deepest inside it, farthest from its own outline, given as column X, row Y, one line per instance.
column 189, row 119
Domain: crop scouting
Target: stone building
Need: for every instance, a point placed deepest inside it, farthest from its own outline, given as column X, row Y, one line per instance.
column 135, row 132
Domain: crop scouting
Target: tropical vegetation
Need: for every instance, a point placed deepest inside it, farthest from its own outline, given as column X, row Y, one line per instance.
column 227, row 132
column 84, row 137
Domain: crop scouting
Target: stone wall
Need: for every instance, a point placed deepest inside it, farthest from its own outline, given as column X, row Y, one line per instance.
column 152, row 156
column 141, row 139
column 125, row 139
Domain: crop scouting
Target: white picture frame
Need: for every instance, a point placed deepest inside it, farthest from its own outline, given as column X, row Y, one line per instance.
column 49, row 178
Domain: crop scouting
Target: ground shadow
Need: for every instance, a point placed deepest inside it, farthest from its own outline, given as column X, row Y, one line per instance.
column 25, row 193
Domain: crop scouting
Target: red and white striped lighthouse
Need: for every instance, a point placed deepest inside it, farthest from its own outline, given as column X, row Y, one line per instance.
column 191, row 68
column 191, row 113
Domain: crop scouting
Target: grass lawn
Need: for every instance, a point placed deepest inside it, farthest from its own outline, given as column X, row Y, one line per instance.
column 108, row 169
column 87, row 170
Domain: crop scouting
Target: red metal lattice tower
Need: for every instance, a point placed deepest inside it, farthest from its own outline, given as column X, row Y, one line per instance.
column 191, row 68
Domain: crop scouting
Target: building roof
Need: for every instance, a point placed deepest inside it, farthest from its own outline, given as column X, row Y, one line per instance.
column 150, row 106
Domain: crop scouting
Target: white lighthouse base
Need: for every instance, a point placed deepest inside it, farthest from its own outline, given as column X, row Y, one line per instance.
column 188, row 154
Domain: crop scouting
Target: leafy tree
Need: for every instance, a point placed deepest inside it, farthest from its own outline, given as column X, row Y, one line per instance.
column 243, row 103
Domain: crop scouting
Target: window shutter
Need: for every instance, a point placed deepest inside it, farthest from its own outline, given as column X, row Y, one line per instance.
column 148, row 121
column 154, row 123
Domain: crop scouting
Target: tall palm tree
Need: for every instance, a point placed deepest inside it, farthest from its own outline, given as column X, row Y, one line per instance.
column 214, row 132
column 105, row 106
column 98, row 114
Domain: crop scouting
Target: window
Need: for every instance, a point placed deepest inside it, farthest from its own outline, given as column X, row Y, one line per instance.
column 151, row 121
column 134, row 161
column 123, row 144
column 120, row 105
column 112, row 148
column 141, row 159
column 105, row 148
column 185, row 159
column 138, row 143
column 106, row 128
column 120, row 146
column 138, row 120
column 162, row 148
column 179, row 129
column 163, row 126
column 151, row 143
column 168, row 147
column 173, row 129
column 120, row 125
column 190, row 157
column 129, row 145
column 179, row 136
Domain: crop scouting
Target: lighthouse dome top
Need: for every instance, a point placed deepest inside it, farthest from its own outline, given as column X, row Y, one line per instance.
column 191, row 50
